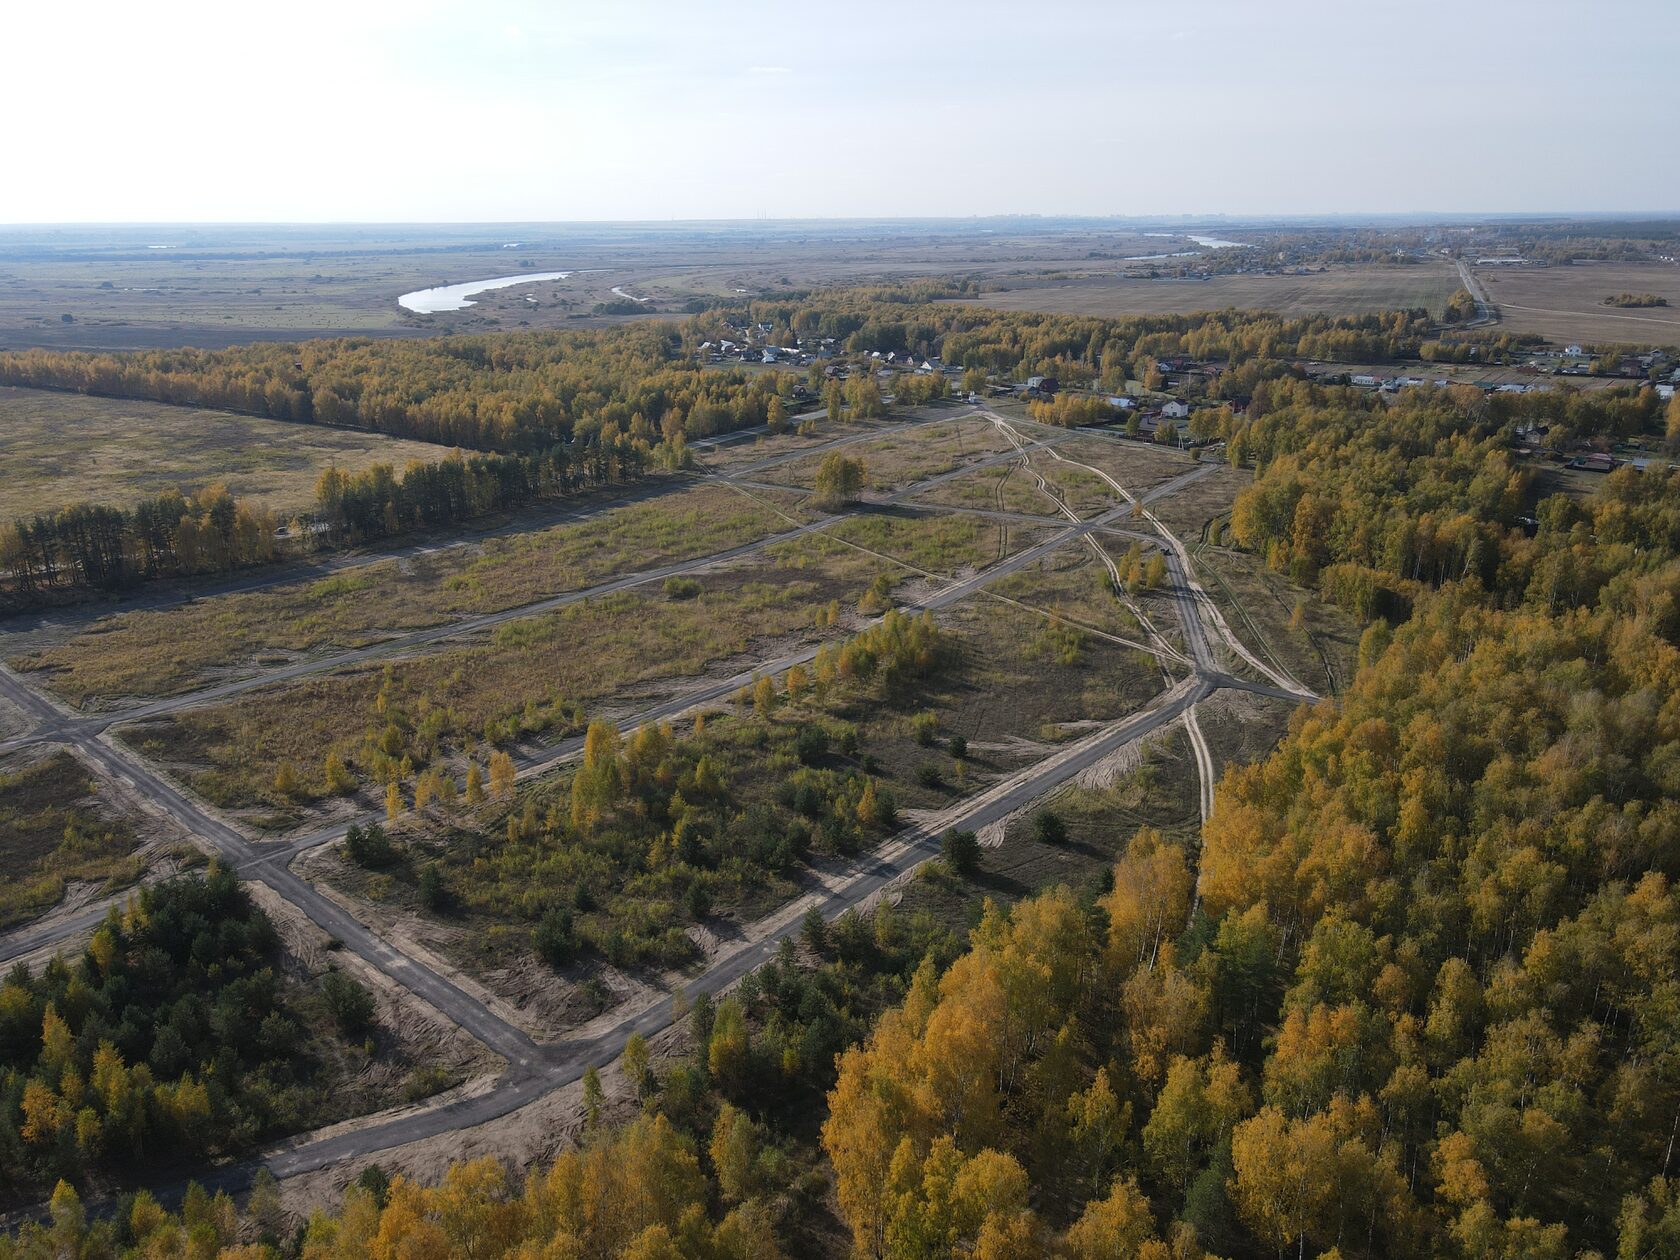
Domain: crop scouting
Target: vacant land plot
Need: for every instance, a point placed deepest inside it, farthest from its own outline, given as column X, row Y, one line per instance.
column 56, row 828
column 1242, row 727
column 1010, row 487
column 1073, row 584
column 789, row 778
column 1353, row 290
column 535, row 676
column 1280, row 622
column 1139, row 466
column 945, row 544
column 758, row 454
column 166, row 651
column 907, row 456
column 1187, row 512
column 1566, row 304
column 59, row 449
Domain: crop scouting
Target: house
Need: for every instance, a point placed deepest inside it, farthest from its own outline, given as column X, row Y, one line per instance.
column 1175, row 410
column 1364, row 378
column 1593, row 462
column 1122, row 402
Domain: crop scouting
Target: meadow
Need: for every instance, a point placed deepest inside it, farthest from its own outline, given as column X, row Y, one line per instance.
column 157, row 652
column 535, row 677
column 1343, row 290
column 60, row 449
column 1566, row 304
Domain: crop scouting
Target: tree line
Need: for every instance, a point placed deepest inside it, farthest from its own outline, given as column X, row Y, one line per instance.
column 501, row 392
column 180, row 535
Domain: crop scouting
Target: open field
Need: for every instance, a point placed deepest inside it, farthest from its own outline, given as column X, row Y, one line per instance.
column 1343, row 290
column 1320, row 649
column 1010, row 488
column 1566, row 304
column 165, row 651
column 945, row 545
column 1139, row 466
column 1188, row 512
column 535, row 676
column 204, row 285
column 60, row 449
column 997, row 689
column 1072, row 583
column 901, row 458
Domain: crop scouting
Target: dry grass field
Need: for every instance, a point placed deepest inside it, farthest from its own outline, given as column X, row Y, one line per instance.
column 58, row 449
column 541, row 673
column 151, row 652
column 206, row 285
column 1566, row 304
column 902, row 458
column 1352, row 290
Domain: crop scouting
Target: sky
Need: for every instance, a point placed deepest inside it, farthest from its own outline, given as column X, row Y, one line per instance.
column 519, row 110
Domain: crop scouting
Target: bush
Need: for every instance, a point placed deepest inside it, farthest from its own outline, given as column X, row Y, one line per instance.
column 433, row 895
column 681, row 588
column 369, row 846
column 928, row 775
column 925, row 727
column 1048, row 828
column 348, row 1002
column 554, row 938
column 958, row 746
column 810, row 744
column 961, row 851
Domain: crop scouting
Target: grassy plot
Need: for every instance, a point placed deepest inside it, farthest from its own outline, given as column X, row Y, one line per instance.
column 1349, row 290
column 59, row 449
column 938, row 544
column 1072, row 583
column 1139, row 466
column 536, row 676
column 1282, row 623
column 703, row 833
column 902, row 458
column 1187, row 512
column 1011, row 488
column 163, row 652
column 739, row 454
column 54, row 828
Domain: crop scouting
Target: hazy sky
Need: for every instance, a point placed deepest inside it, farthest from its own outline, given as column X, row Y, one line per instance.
column 413, row 110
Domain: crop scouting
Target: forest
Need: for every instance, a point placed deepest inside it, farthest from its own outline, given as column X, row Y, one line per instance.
column 527, row 391
column 172, row 1038
column 1415, row 994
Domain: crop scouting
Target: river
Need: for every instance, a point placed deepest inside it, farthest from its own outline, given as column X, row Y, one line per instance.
column 457, row 297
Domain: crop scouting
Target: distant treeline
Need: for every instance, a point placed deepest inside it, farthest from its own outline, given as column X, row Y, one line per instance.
column 177, row 535
column 506, row 392
column 527, row 391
